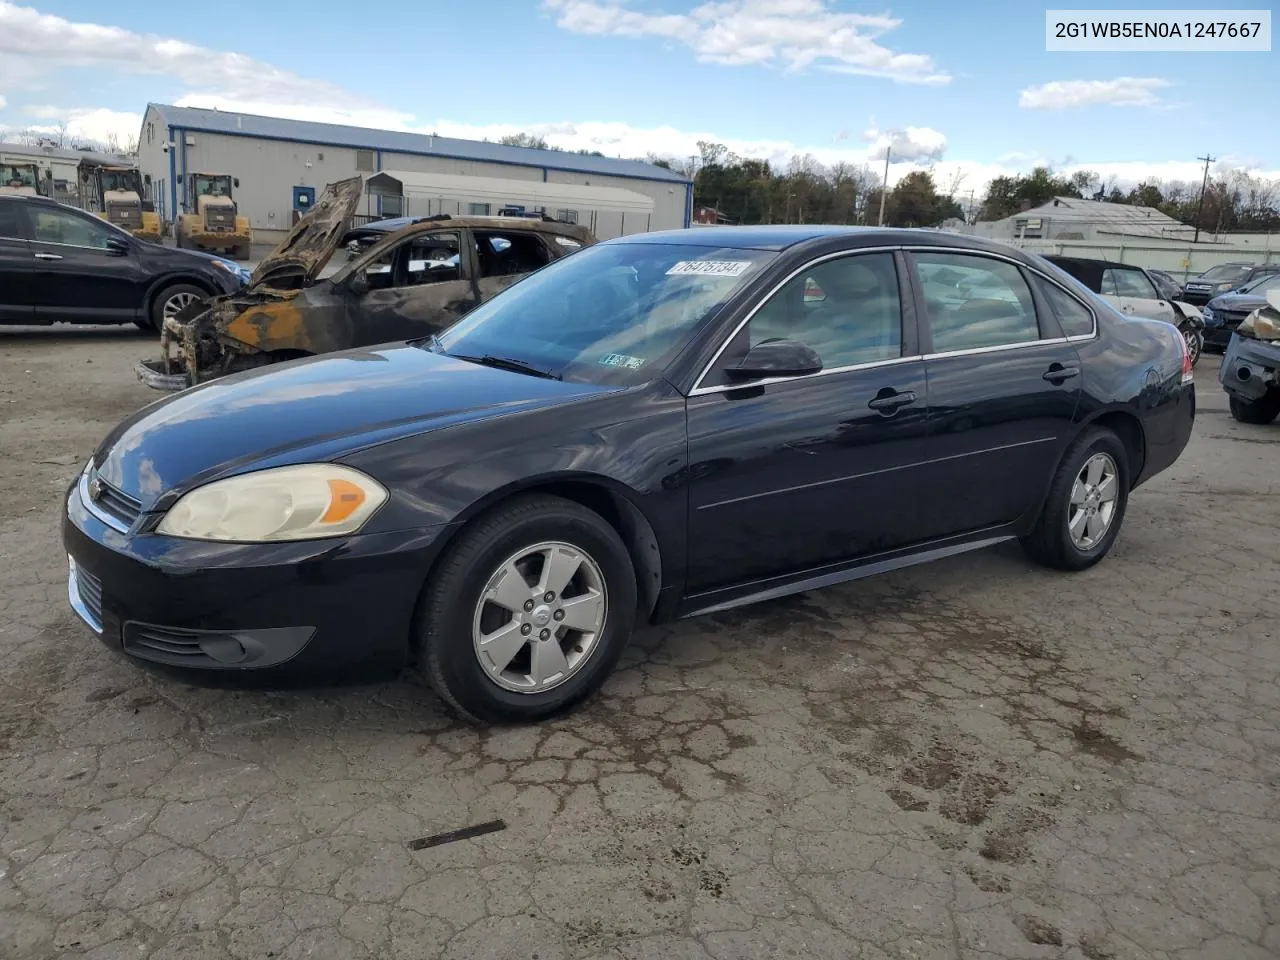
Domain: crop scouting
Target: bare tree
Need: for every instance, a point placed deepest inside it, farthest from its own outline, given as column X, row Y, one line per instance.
column 131, row 145
column 957, row 180
column 113, row 142
column 60, row 133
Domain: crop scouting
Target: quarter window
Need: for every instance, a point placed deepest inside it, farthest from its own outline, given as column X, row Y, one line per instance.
column 1118, row 282
column 1074, row 318
column 973, row 302
column 55, row 226
column 847, row 310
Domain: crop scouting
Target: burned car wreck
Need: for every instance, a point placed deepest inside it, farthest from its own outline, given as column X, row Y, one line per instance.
column 1250, row 372
column 414, row 282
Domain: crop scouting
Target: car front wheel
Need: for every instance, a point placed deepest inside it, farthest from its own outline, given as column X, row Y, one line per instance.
column 528, row 612
column 1194, row 340
column 1082, row 514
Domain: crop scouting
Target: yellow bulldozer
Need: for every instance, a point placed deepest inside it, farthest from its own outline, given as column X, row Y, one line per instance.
column 119, row 191
column 20, row 178
column 216, row 223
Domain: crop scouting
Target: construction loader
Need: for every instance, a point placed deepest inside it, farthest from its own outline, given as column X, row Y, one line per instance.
column 216, row 224
column 120, row 202
column 22, row 179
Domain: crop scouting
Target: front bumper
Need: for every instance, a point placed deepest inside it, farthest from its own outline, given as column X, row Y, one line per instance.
column 1250, row 368
column 280, row 612
column 151, row 372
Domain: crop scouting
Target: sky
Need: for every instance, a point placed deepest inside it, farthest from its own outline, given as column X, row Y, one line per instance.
column 965, row 89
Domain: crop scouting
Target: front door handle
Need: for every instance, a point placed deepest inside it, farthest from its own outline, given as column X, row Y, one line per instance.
column 1057, row 373
column 48, row 256
column 887, row 402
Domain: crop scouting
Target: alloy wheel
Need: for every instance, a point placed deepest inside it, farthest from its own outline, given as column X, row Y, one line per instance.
column 1195, row 343
column 540, row 617
column 1094, row 497
column 177, row 303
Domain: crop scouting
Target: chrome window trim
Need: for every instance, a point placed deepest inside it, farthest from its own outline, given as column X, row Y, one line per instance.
column 72, row 246
column 1077, row 338
column 115, row 523
column 700, row 391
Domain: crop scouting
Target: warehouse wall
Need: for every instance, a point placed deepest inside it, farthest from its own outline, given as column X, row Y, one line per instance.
column 269, row 169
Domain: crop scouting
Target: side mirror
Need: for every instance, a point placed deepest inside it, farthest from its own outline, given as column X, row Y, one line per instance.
column 235, row 181
column 776, row 358
column 118, row 246
column 358, row 284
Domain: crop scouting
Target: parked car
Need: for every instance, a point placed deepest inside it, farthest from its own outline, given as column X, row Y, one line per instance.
column 1250, row 371
column 1135, row 292
column 1224, row 278
column 59, row 264
column 1224, row 312
column 1166, row 284
column 414, row 281
column 659, row 426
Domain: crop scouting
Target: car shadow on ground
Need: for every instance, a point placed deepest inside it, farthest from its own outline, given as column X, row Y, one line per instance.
column 74, row 333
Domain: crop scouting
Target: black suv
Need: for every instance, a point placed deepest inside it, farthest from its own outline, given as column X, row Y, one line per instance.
column 59, row 264
column 1224, row 278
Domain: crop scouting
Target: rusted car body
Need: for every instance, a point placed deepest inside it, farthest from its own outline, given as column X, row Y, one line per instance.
column 415, row 282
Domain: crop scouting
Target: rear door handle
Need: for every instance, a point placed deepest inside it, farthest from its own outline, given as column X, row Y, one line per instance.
column 1057, row 373
column 48, row 256
column 890, row 402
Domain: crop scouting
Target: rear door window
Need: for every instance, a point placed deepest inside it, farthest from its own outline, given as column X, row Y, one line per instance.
column 974, row 302
column 509, row 254
column 1120, row 282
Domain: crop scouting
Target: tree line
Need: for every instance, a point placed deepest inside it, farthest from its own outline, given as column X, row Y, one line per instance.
column 748, row 191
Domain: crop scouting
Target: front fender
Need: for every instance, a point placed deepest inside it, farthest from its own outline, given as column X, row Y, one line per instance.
column 1188, row 314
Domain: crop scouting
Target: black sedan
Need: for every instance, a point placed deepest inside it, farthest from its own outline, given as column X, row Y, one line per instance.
column 660, row 426
column 63, row 265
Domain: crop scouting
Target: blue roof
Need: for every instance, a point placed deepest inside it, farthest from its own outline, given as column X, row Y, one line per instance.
column 337, row 135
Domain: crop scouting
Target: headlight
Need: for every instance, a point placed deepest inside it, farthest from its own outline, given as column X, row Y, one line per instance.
column 303, row 502
column 1225, row 286
column 1207, row 314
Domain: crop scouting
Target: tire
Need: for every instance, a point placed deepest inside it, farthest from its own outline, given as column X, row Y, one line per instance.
column 1194, row 340
column 176, row 291
column 1257, row 411
column 453, row 613
column 1051, row 542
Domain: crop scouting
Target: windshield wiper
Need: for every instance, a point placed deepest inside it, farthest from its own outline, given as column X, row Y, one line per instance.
column 509, row 363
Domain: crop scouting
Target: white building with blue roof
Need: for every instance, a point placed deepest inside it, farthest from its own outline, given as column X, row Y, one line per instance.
column 282, row 165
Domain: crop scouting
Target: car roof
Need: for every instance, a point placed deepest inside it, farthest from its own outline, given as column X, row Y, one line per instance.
column 781, row 237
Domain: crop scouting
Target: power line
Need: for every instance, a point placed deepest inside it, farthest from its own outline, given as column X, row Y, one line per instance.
column 1204, row 183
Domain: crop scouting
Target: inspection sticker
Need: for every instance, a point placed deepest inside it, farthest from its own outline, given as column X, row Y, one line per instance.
column 621, row 360
column 710, row 268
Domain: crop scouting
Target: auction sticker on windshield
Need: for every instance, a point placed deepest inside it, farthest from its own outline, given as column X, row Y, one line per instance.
column 621, row 360
column 710, row 268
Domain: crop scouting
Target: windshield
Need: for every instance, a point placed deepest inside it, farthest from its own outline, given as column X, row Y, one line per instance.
column 1258, row 287
column 612, row 313
column 1224, row 272
column 18, row 175
column 213, row 186
column 123, row 180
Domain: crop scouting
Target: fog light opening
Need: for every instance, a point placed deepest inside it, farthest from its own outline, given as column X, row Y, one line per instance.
column 1243, row 373
column 224, row 649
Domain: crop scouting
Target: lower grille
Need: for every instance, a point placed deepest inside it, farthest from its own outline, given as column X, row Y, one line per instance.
column 166, row 645
column 85, row 593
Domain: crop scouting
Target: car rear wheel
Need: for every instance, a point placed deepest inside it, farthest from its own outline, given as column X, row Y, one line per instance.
column 171, row 301
column 528, row 612
column 1261, row 411
column 1082, row 514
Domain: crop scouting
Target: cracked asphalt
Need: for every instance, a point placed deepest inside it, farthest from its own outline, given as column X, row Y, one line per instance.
column 972, row 759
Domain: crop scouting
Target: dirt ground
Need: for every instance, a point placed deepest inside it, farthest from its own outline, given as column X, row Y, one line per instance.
column 974, row 759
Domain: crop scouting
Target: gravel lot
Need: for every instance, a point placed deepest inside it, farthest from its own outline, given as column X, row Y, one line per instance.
column 973, row 759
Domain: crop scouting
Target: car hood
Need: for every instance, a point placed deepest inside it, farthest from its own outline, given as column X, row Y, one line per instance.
column 1237, row 301
column 304, row 252
column 318, row 408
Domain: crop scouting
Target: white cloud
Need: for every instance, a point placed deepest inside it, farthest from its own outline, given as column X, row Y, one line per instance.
column 39, row 42
column 1121, row 92
column 795, row 34
column 906, row 143
column 3, row 102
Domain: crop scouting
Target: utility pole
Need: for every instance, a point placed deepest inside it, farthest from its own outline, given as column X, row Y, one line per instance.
column 1203, row 183
column 884, row 188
